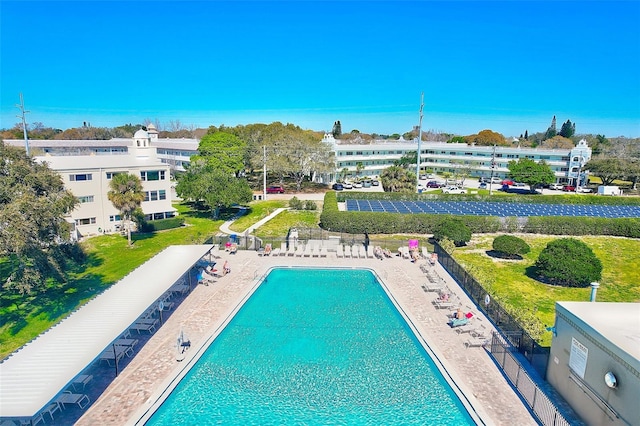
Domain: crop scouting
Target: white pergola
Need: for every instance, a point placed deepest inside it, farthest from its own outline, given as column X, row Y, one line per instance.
column 34, row 375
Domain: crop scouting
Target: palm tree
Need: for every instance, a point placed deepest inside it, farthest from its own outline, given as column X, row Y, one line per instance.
column 126, row 195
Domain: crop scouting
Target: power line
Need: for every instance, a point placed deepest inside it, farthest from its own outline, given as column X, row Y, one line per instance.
column 24, row 123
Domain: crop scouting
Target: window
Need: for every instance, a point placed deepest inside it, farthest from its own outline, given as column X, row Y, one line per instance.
column 468, row 153
column 348, row 153
column 162, row 194
column 114, row 218
column 86, row 221
column 158, row 216
column 574, row 170
column 153, row 195
column 152, row 175
column 358, row 152
column 110, row 175
column 86, row 199
column 81, row 177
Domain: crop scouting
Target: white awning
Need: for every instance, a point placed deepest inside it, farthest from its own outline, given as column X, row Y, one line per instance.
column 35, row 374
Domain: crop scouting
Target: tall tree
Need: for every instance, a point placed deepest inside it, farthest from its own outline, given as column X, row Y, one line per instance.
column 337, row 129
column 533, row 174
column 34, row 236
column 568, row 129
column 213, row 187
column 526, row 135
column 126, row 195
column 487, row 138
column 551, row 131
column 607, row 169
column 223, row 151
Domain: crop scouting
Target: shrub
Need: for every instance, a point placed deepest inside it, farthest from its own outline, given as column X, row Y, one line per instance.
column 569, row 262
column 454, row 229
column 310, row 205
column 159, row 225
column 295, row 203
column 510, row 246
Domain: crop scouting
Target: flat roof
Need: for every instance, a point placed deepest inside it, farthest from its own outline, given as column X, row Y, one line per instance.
column 86, row 162
column 36, row 373
column 619, row 323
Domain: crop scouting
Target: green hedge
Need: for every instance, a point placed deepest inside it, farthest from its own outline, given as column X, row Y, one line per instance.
column 398, row 223
column 159, row 225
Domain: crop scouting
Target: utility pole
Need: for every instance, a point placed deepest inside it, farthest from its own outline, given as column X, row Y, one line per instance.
column 493, row 166
column 264, row 172
column 24, row 123
column 419, row 142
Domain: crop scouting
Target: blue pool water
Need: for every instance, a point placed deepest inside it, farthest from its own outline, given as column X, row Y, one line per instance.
column 314, row 346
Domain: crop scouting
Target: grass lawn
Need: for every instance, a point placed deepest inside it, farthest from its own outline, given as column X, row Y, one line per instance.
column 257, row 210
column 507, row 280
column 108, row 260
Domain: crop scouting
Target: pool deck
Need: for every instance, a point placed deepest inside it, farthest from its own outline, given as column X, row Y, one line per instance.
column 206, row 308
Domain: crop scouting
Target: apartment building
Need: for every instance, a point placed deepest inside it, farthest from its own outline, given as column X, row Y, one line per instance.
column 87, row 175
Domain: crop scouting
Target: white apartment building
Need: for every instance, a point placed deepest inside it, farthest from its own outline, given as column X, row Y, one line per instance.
column 435, row 157
column 87, row 175
column 440, row 157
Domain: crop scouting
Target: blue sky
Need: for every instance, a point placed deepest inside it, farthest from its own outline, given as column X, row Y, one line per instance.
column 507, row 66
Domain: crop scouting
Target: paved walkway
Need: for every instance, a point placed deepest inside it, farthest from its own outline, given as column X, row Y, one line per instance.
column 207, row 307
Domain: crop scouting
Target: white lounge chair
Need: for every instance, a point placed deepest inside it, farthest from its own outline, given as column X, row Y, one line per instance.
column 307, row 250
column 292, row 250
column 347, row 251
column 370, row 252
column 355, row 252
column 283, row 249
column 339, row 251
column 300, row 250
column 316, row 251
column 363, row 252
column 323, row 252
column 425, row 253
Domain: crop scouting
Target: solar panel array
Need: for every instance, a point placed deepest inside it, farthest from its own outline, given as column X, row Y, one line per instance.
column 483, row 208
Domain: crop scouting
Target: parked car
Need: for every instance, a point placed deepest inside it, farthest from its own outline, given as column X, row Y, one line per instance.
column 434, row 184
column 453, row 190
column 496, row 179
column 275, row 189
column 357, row 185
column 375, row 182
column 556, row 186
column 568, row 188
column 585, row 190
column 337, row 186
column 483, row 185
column 347, row 185
column 520, row 184
column 508, row 182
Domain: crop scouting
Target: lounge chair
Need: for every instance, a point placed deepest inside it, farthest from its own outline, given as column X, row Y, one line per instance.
column 283, row 249
column 449, row 304
column 323, row 252
column 268, row 249
column 68, row 397
column 292, row 250
column 307, row 250
column 339, row 251
column 51, row 408
column 355, row 252
column 425, row 253
column 476, row 342
column 316, row 251
column 370, row 252
column 300, row 250
column 405, row 253
column 455, row 322
column 347, row 251
column 233, row 249
column 432, row 287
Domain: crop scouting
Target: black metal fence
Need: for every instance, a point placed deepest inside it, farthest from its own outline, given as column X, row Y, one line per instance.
column 542, row 406
column 508, row 326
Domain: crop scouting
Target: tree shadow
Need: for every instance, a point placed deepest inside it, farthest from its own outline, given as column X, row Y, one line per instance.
column 532, row 272
column 500, row 255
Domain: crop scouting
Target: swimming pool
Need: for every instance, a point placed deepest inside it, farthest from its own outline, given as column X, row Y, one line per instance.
column 315, row 346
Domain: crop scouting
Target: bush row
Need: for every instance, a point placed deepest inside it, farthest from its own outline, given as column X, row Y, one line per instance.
column 395, row 223
column 512, row 198
column 159, row 225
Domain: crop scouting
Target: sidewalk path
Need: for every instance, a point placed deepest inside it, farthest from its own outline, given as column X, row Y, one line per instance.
column 225, row 226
